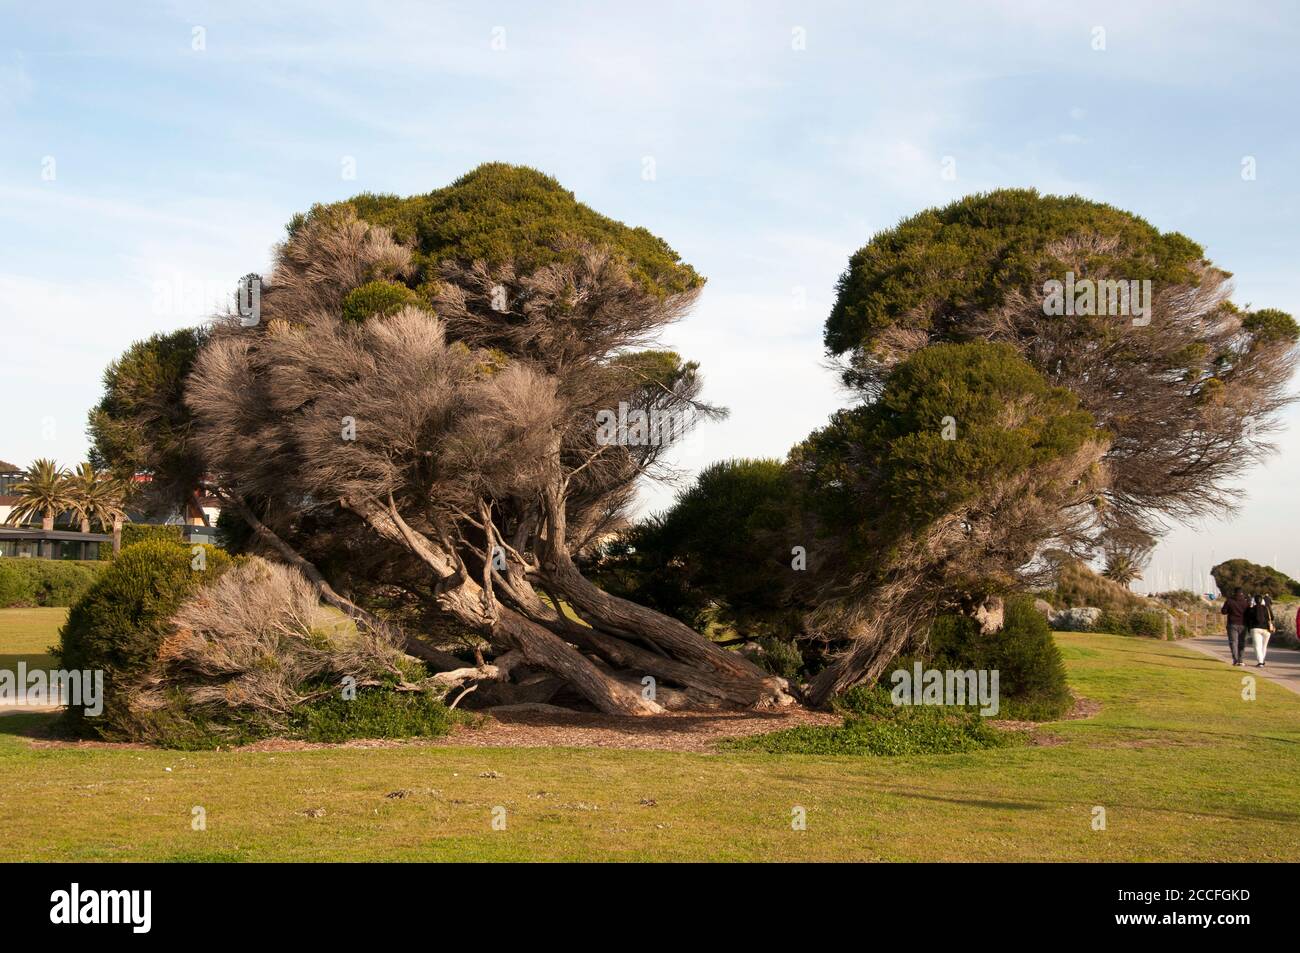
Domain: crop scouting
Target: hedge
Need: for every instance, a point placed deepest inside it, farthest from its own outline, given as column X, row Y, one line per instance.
column 133, row 533
column 45, row 582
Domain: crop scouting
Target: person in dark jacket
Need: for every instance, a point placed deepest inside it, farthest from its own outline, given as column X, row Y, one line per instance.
column 1260, row 621
column 1235, row 608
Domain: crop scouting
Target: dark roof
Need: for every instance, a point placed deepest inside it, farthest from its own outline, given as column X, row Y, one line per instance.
column 9, row 468
column 27, row 532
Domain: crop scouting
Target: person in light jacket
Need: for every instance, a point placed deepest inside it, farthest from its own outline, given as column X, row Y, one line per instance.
column 1262, row 626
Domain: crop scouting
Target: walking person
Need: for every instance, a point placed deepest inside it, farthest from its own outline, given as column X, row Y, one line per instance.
column 1235, row 608
column 1262, row 626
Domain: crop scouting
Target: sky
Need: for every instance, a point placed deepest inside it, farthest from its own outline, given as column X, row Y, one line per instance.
column 152, row 154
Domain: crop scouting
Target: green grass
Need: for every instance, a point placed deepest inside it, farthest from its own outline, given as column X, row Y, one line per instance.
column 27, row 634
column 1185, row 769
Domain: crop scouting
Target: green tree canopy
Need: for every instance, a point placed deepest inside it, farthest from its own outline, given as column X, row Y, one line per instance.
column 1253, row 578
column 1188, row 384
column 141, row 424
column 951, row 421
column 721, row 552
column 932, row 268
column 501, row 213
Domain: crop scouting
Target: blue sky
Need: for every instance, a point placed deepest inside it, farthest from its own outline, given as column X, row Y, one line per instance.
column 174, row 168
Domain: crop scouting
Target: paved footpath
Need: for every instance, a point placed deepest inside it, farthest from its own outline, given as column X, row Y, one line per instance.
column 1283, row 664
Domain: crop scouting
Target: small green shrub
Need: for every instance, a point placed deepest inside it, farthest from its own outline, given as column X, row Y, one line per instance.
column 874, row 725
column 1148, row 623
column 780, row 657
column 1031, row 674
column 1183, row 599
column 867, row 701
column 377, row 298
column 45, row 582
column 119, row 624
column 177, row 725
column 373, row 714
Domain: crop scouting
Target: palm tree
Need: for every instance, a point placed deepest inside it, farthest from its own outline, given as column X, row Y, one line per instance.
column 98, row 496
column 1121, row 568
column 45, row 491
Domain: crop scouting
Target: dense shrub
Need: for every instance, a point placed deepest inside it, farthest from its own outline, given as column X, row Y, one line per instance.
column 720, row 554
column 780, row 657
column 377, row 298
column 45, row 582
column 133, row 533
column 119, row 624
column 1031, row 674
column 14, row 587
column 252, row 647
column 1151, row 623
column 373, row 714
column 1183, row 599
column 248, row 653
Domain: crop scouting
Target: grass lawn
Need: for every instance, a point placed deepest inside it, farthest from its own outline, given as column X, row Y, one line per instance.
column 26, row 634
column 1185, row 769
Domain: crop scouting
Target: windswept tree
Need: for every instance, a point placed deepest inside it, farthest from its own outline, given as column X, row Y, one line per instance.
column 888, row 516
column 43, row 492
column 1188, row 384
column 421, row 419
column 1182, row 388
column 943, row 492
column 1136, row 323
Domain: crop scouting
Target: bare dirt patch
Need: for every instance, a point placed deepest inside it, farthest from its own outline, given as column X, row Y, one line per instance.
column 678, row 731
column 682, row 731
column 1082, row 708
column 697, row 732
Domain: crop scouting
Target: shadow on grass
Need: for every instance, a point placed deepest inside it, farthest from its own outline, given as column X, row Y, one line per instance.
column 43, row 725
column 1043, row 804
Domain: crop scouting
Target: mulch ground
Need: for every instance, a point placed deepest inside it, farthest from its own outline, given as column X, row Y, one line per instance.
column 697, row 732
column 680, row 731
